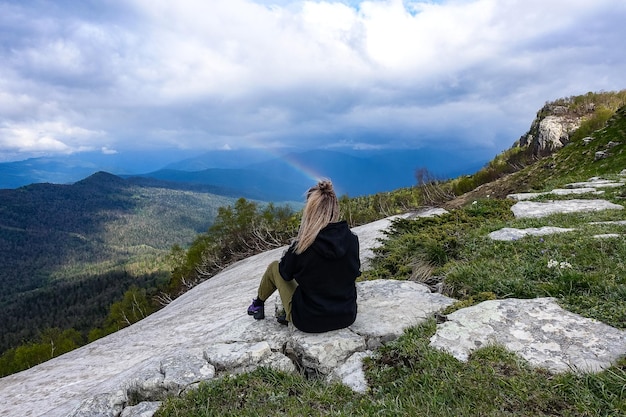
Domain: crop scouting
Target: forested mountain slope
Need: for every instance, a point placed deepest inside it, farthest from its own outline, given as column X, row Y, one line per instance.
column 67, row 252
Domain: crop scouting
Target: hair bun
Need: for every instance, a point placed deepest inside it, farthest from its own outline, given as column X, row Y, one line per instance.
column 325, row 186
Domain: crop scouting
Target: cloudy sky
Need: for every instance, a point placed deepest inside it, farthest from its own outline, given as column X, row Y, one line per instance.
column 109, row 75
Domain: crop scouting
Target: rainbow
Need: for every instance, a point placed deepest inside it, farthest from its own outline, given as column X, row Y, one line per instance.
column 300, row 167
column 294, row 163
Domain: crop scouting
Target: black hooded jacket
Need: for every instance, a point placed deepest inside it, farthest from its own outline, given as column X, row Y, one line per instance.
column 325, row 298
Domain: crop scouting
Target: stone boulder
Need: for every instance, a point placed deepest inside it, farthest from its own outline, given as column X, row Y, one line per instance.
column 144, row 409
column 538, row 330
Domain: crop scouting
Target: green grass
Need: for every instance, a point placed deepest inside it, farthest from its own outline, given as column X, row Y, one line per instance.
column 407, row 377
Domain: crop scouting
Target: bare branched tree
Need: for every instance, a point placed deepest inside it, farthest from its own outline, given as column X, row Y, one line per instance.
column 163, row 298
column 432, row 190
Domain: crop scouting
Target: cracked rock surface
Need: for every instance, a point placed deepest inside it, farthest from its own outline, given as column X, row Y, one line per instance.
column 538, row 330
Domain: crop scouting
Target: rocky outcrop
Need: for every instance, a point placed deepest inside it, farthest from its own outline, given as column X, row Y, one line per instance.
column 552, row 128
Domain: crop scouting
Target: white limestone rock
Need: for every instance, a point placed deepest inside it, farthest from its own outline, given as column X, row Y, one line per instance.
column 387, row 307
column 595, row 182
column 101, row 405
column 510, row 234
column 146, row 382
column 172, row 375
column 237, row 356
column 183, row 370
column 556, row 191
column 554, row 131
column 245, row 357
column 319, row 353
column 523, row 196
column 607, row 236
column 538, row 330
column 600, row 155
column 351, row 372
column 245, row 329
column 143, row 409
column 531, row 209
column 570, row 191
column 429, row 212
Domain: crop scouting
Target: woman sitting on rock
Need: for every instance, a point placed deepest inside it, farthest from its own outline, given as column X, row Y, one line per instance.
column 316, row 276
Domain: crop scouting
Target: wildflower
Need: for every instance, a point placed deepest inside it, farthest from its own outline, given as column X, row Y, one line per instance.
column 562, row 265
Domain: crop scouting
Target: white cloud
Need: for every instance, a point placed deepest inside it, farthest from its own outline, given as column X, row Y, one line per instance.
column 106, row 151
column 46, row 138
column 365, row 74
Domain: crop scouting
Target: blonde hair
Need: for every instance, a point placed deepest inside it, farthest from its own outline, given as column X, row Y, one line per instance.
column 321, row 209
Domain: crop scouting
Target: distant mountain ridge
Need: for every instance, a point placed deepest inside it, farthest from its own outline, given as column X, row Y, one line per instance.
column 245, row 183
column 71, row 168
column 286, row 178
column 258, row 174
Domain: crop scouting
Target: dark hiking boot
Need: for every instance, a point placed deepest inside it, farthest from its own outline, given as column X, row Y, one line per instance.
column 281, row 317
column 257, row 309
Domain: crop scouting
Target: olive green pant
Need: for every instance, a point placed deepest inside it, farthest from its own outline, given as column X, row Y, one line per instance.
column 272, row 281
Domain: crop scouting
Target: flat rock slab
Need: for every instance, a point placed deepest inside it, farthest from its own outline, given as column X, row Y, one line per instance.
column 429, row 212
column 510, row 233
column 170, row 348
column 531, row 209
column 607, row 236
column 557, row 191
column 144, row 409
column 616, row 222
column 596, row 183
column 393, row 306
column 538, row 330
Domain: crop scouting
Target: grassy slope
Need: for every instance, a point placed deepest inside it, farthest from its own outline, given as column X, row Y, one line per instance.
column 407, row 377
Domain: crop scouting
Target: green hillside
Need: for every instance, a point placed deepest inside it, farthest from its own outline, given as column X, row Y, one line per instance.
column 67, row 252
column 521, row 169
column 407, row 377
